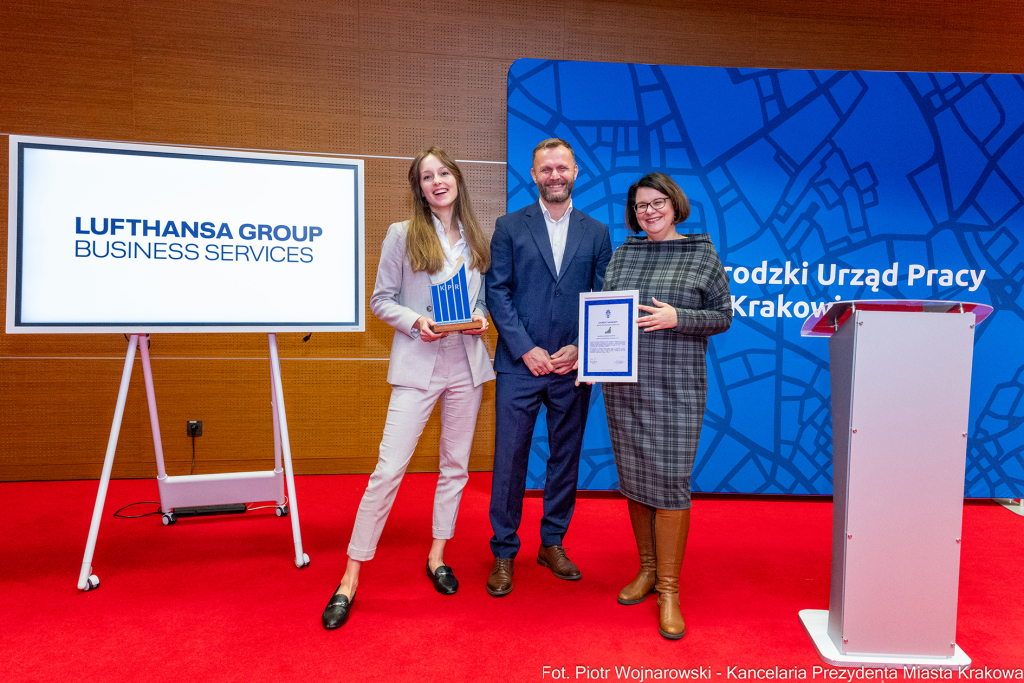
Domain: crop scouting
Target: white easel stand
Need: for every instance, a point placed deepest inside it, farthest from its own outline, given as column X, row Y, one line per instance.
column 201, row 489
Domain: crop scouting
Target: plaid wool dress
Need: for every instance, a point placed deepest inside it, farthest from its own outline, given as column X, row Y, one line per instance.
column 655, row 423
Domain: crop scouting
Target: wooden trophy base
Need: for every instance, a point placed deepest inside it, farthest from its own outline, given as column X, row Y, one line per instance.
column 456, row 327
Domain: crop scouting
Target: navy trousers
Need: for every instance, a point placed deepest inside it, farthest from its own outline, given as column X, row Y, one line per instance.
column 517, row 400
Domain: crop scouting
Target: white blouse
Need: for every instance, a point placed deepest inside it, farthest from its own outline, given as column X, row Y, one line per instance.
column 451, row 256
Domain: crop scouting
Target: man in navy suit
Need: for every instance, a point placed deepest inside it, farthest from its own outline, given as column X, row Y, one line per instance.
column 542, row 257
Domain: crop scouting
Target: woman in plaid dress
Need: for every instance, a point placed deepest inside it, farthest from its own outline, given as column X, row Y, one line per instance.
column 655, row 423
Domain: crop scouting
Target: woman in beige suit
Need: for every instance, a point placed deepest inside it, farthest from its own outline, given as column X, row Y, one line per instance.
column 426, row 366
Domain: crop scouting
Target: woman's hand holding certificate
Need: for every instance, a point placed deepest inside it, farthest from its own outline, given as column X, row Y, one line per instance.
column 662, row 317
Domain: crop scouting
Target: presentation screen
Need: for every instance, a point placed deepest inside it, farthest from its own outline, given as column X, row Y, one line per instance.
column 118, row 237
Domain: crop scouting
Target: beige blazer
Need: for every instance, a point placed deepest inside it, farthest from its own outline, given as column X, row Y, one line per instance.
column 400, row 297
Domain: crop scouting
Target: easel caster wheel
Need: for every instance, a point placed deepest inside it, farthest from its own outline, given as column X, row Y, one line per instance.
column 305, row 561
column 169, row 518
column 282, row 510
column 92, row 583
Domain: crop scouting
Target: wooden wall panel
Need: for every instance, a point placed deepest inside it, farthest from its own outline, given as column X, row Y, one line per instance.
column 66, row 67
column 374, row 78
column 264, row 75
column 56, row 418
column 409, row 104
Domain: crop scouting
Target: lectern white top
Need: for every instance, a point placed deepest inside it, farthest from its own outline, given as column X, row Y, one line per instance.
column 825, row 324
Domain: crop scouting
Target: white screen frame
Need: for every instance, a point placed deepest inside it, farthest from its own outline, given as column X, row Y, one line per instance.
column 270, row 320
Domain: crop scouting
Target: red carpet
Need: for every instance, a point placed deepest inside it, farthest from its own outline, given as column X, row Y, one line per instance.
column 219, row 599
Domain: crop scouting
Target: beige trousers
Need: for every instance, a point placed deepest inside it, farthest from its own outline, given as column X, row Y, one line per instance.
column 408, row 411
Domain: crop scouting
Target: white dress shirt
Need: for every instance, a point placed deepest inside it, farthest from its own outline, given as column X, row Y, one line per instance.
column 558, row 231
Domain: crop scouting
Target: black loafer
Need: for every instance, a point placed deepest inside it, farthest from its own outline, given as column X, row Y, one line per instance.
column 336, row 613
column 443, row 579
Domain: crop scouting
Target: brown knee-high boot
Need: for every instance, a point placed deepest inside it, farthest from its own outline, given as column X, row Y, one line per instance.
column 642, row 518
column 671, row 528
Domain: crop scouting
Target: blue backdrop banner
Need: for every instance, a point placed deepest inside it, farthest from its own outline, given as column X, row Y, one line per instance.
column 815, row 186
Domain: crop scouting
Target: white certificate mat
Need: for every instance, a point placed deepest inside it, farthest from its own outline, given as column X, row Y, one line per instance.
column 608, row 333
column 122, row 237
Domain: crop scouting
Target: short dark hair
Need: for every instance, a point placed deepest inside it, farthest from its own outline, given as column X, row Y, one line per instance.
column 552, row 143
column 663, row 184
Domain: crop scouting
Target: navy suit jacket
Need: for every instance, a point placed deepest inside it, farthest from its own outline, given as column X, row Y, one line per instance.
column 530, row 304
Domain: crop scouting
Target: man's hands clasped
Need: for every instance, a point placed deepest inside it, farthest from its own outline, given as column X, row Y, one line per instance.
column 541, row 363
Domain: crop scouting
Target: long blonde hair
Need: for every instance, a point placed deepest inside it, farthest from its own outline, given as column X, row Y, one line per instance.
column 421, row 243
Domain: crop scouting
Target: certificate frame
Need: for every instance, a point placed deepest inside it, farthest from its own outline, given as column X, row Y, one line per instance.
column 591, row 303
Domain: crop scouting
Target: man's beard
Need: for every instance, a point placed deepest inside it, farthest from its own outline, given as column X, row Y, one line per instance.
column 553, row 198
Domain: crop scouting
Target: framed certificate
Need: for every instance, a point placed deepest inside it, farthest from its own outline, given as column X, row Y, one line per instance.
column 608, row 333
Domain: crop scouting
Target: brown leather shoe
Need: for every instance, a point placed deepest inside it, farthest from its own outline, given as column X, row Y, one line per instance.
column 637, row 591
column 671, row 527
column 499, row 583
column 553, row 557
